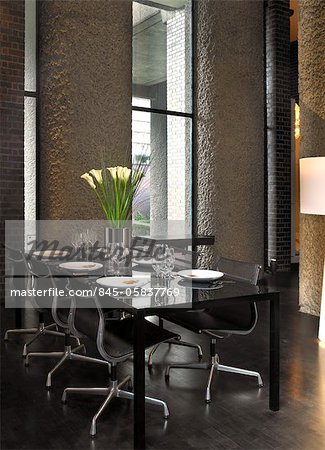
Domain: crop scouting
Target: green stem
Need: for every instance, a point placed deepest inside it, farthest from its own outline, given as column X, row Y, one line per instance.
column 101, row 203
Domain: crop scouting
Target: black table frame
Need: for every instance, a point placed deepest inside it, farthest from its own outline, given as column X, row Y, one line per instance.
column 139, row 358
column 272, row 297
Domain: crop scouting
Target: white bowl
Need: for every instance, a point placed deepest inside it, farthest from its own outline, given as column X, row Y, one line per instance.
column 200, row 275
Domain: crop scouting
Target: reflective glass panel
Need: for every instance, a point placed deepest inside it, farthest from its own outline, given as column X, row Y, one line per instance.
column 162, row 70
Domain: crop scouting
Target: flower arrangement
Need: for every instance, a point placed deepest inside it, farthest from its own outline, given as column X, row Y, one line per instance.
column 116, row 189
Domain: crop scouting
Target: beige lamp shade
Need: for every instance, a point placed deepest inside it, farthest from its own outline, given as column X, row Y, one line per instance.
column 312, row 185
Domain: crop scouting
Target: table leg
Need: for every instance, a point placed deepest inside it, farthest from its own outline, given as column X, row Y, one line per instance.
column 18, row 317
column 139, row 382
column 274, row 352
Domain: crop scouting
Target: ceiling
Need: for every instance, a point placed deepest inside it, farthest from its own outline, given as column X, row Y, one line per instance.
column 168, row 5
column 149, row 46
column 149, row 39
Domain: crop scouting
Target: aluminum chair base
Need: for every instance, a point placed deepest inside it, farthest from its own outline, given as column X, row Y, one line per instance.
column 68, row 354
column 213, row 366
column 175, row 341
column 42, row 330
column 114, row 391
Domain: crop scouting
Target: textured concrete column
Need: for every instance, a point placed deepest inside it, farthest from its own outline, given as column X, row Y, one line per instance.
column 229, row 89
column 85, row 92
column 311, row 30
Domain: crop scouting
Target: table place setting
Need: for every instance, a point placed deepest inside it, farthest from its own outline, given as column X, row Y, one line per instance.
column 200, row 275
column 202, row 279
column 123, row 282
column 126, row 286
column 81, row 265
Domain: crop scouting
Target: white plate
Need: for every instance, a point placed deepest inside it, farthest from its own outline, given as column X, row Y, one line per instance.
column 123, row 282
column 200, row 275
column 51, row 253
column 81, row 265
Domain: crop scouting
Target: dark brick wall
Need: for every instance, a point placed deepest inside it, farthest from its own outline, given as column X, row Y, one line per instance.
column 278, row 107
column 12, row 17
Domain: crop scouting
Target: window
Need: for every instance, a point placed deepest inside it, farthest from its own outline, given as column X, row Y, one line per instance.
column 30, row 134
column 30, row 111
column 162, row 106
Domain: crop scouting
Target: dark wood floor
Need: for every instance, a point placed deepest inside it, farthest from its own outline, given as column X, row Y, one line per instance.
column 238, row 417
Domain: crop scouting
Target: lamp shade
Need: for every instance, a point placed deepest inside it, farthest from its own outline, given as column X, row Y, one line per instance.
column 312, row 185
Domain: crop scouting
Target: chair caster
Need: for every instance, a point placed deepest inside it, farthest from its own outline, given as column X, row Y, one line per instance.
column 260, row 383
column 200, row 357
column 93, row 429
column 64, row 398
column 48, row 384
column 208, row 396
column 26, row 363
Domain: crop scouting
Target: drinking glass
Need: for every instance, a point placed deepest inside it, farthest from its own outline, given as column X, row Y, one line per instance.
column 76, row 241
column 157, row 260
column 170, row 262
column 89, row 239
column 119, row 255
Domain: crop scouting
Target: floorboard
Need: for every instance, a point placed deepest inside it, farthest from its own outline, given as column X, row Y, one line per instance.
column 238, row 417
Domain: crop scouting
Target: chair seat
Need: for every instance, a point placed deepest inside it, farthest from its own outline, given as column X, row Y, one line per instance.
column 118, row 338
column 198, row 321
column 119, row 334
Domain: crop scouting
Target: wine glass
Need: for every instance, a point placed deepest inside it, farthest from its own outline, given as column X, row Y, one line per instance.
column 76, row 241
column 89, row 239
column 166, row 257
column 158, row 258
column 170, row 262
column 119, row 254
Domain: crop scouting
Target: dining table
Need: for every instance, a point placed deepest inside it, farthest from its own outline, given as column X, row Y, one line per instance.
column 165, row 296
column 200, row 297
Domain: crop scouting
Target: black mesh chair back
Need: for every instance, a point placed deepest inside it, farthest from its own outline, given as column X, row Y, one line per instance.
column 85, row 314
column 114, row 340
column 239, row 270
column 17, row 273
column 222, row 321
column 242, row 316
column 113, row 334
column 42, row 280
column 92, row 315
